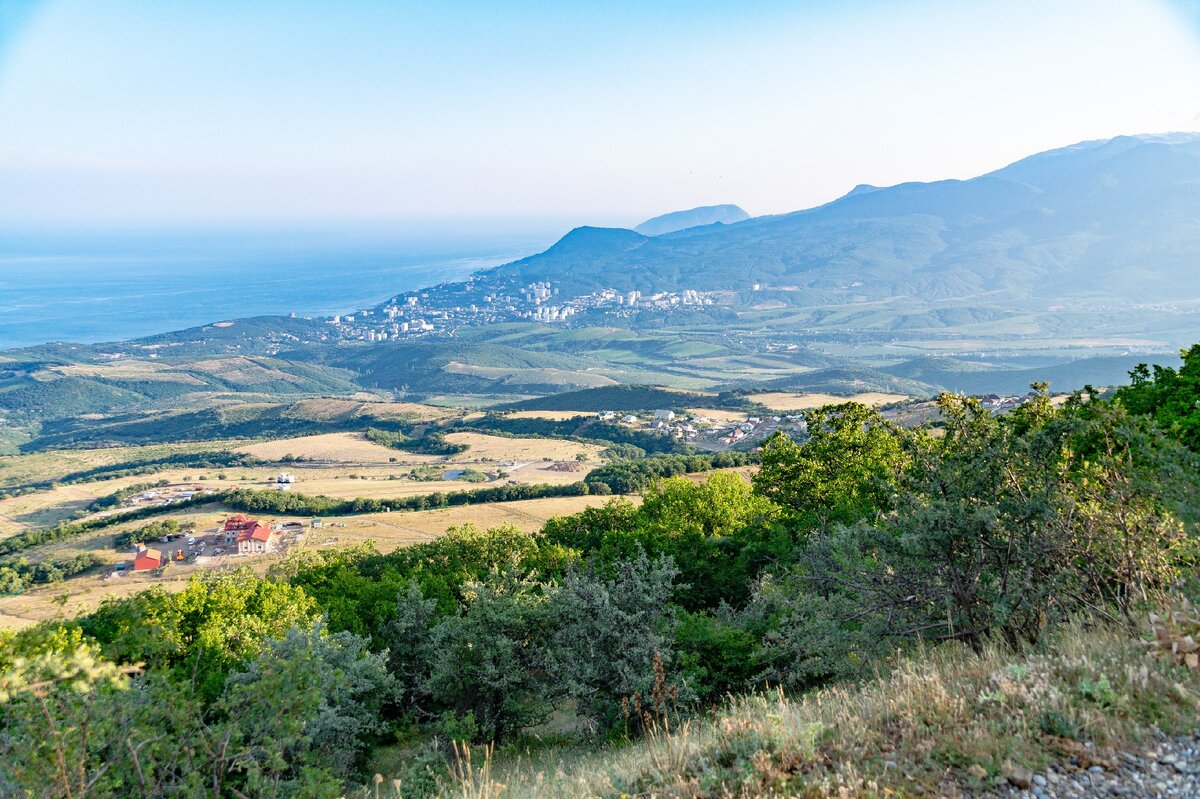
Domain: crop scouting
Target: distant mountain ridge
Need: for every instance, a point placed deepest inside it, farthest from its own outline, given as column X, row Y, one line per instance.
column 1115, row 220
column 694, row 217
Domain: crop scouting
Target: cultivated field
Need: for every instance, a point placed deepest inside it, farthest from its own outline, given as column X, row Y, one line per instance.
column 393, row 530
column 483, row 447
column 718, row 414
column 557, row 416
column 334, row 447
column 787, row 401
column 53, row 464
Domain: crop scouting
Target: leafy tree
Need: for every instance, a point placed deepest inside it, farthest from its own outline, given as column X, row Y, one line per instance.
column 1003, row 525
column 338, row 689
column 491, row 656
column 1171, row 397
column 607, row 630
column 844, row 472
column 203, row 632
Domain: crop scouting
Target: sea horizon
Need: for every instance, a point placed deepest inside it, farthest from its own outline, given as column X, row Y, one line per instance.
column 100, row 287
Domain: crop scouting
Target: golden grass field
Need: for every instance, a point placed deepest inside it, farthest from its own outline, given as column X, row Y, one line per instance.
column 556, row 416
column 393, row 530
column 499, row 448
column 718, row 414
column 337, row 447
column 53, row 464
column 347, row 466
column 787, row 401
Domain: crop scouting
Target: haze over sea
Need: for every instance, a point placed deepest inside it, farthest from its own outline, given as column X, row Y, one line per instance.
column 97, row 287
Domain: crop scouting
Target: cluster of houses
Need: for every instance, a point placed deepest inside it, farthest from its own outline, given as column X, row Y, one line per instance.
column 714, row 432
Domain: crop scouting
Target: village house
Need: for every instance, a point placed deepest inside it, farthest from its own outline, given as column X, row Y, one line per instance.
column 145, row 559
column 255, row 540
column 251, row 536
column 664, row 415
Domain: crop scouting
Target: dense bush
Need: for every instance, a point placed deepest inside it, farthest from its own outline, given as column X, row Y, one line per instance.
column 17, row 574
column 630, row 477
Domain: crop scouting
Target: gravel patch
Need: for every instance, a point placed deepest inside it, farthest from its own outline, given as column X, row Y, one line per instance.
column 1167, row 768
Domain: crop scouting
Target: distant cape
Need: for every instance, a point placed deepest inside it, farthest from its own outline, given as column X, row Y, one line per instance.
column 695, row 217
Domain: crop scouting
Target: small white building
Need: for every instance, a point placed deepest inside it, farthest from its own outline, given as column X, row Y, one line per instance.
column 663, row 415
column 286, row 477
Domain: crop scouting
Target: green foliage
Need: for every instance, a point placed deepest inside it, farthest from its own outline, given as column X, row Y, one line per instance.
column 428, row 444
column 290, row 502
column 633, row 476
column 491, row 656
column 844, row 472
column 629, row 398
column 1171, row 397
column 1002, row 526
column 17, row 574
column 339, row 687
column 607, row 631
column 718, row 532
column 151, row 532
column 202, row 632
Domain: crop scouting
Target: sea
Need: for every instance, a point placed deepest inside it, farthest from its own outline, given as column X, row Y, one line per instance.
column 91, row 287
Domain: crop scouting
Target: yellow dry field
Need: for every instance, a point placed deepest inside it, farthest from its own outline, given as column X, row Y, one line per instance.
column 125, row 370
column 557, row 416
column 329, row 409
column 343, row 480
column 483, row 447
column 53, row 464
column 786, row 401
column 718, row 415
column 337, row 447
column 48, row 508
column 393, row 530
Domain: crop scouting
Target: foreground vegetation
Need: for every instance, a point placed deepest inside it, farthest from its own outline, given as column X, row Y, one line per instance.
column 934, row 721
column 852, row 551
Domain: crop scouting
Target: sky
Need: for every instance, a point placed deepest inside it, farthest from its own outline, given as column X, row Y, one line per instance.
column 164, row 112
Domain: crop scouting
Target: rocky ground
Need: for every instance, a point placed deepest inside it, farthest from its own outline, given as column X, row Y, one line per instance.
column 1166, row 768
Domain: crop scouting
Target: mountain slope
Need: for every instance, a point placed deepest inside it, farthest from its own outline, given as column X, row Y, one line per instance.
column 695, row 217
column 1117, row 220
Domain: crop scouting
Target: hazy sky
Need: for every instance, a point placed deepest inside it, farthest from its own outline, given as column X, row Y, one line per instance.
column 123, row 112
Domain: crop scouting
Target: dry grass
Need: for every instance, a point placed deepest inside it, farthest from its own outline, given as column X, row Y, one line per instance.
column 336, row 447
column 330, row 409
column 944, row 722
column 393, row 530
column 719, row 415
column 557, row 416
column 786, row 401
column 125, row 370
column 53, row 464
column 482, row 447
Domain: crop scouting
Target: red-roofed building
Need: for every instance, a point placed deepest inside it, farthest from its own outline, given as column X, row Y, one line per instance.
column 237, row 522
column 146, row 559
column 254, row 539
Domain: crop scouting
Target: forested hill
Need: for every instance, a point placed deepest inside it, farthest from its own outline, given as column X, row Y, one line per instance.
column 1115, row 220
